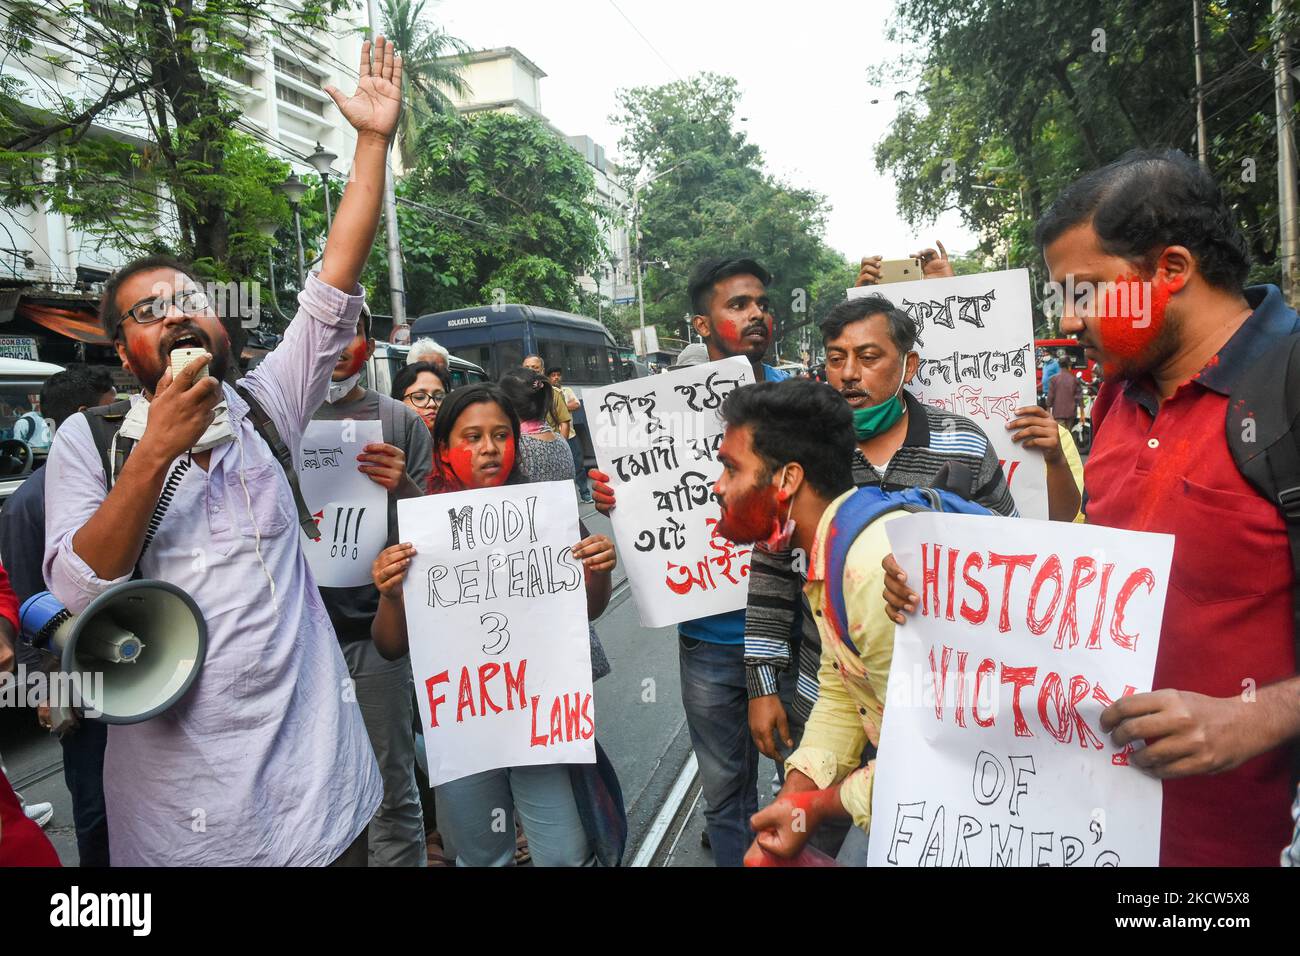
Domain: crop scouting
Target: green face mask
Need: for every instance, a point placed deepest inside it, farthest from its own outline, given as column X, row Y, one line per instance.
column 870, row 422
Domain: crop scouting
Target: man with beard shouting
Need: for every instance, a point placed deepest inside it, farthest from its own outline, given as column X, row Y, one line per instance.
column 265, row 761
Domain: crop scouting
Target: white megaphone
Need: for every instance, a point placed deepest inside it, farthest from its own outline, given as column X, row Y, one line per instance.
column 138, row 647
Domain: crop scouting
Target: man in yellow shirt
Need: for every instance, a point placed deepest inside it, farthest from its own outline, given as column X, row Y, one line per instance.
column 786, row 471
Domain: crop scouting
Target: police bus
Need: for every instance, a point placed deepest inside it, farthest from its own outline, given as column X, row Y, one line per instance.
column 499, row 337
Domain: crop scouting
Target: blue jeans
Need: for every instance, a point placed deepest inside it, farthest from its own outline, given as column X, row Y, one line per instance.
column 717, row 716
column 476, row 815
column 579, row 469
column 83, row 771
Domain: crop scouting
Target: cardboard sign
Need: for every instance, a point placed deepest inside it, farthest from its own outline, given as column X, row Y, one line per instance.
column 496, row 610
column 976, row 344
column 351, row 510
column 991, row 751
column 657, row 438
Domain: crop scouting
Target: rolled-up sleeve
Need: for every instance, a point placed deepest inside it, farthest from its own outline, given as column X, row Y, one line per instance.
column 291, row 382
column 74, row 478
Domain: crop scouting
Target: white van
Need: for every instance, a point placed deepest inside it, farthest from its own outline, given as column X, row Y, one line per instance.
column 21, row 419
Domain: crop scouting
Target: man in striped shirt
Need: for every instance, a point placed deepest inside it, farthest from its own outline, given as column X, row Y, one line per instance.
column 901, row 444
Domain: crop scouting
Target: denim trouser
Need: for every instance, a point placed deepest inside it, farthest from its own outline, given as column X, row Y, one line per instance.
column 384, row 693
column 580, row 470
column 477, row 816
column 83, row 772
column 717, row 716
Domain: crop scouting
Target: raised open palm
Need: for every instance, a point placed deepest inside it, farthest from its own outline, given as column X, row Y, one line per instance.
column 377, row 103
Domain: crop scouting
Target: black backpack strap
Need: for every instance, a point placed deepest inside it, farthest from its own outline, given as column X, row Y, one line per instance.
column 104, row 422
column 265, row 427
column 1265, row 443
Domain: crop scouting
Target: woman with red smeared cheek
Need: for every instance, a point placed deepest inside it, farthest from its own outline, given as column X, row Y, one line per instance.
column 475, row 438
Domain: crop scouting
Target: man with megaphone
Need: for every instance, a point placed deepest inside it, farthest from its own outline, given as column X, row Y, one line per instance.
column 265, row 760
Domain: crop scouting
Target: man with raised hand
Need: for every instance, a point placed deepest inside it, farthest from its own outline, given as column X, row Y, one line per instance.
column 265, row 761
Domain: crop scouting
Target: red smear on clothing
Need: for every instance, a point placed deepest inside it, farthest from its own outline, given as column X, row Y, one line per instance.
column 752, row 517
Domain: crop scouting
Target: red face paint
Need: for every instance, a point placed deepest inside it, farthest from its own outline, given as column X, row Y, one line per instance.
column 351, row 362
column 467, row 467
column 1129, row 321
column 751, row 517
column 507, row 466
column 733, row 340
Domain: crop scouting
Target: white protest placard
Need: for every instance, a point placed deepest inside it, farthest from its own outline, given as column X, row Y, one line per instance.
column 496, row 611
column 991, row 750
column 657, row 438
column 975, row 339
column 350, row 509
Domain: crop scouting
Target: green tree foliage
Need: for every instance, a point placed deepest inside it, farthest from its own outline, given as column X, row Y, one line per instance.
column 1024, row 95
column 145, row 154
column 431, row 64
column 495, row 202
column 710, row 195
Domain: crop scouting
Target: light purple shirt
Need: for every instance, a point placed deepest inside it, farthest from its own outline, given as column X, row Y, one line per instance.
column 266, row 760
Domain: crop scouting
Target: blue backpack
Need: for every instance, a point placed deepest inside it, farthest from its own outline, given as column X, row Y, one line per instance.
column 866, row 505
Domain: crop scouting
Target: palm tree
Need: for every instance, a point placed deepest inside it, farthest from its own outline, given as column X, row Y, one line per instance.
column 432, row 62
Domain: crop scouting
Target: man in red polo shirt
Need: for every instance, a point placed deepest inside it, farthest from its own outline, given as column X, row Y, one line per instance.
column 1226, row 705
column 1152, row 265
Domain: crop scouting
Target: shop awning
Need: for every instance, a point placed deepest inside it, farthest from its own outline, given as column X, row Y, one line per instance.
column 79, row 324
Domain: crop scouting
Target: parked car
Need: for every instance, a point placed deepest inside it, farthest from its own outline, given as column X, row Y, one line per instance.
column 25, row 435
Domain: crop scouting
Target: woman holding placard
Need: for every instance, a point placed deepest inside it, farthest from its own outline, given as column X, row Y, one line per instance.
column 475, row 439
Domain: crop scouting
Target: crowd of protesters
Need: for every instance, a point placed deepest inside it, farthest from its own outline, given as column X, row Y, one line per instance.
column 289, row 772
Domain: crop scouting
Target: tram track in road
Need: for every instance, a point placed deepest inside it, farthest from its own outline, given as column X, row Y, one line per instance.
column 36, row 776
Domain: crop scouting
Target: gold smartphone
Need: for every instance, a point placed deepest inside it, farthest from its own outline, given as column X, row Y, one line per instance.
column 900, row 270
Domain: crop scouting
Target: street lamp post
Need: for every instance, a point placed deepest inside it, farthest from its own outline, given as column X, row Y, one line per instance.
column 321, row 160
column 636, row 230
column 293, row 190
column 268, row 228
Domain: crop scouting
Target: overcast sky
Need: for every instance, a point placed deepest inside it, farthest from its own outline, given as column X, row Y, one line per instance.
column 801, row 69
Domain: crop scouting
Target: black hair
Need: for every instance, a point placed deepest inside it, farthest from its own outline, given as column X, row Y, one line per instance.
column 1147, row 200
column 528, row 392
column 406, row 377
column 77, row 385
column 710, row 272
column 366, row 320
column 553, row 369
column 798, row 420
column 901, row 326
column 455, row 405
column 110, row 318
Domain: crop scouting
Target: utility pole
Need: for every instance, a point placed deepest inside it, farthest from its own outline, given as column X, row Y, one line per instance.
column 1202, row 147
column 396, row 283
column 1287, row 199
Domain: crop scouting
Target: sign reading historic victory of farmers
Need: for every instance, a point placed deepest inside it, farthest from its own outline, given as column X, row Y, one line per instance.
column 991, row 750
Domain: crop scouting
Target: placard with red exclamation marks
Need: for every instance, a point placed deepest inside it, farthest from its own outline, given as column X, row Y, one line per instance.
column 350, row 509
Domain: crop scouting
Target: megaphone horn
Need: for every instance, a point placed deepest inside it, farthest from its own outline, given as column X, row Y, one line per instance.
column 141, row 644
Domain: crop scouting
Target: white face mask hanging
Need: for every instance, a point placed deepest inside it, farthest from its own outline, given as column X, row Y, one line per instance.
column 340, row 390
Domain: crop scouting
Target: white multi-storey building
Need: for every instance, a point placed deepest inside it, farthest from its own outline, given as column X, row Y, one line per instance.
column 505, row 80
column 278, row 85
